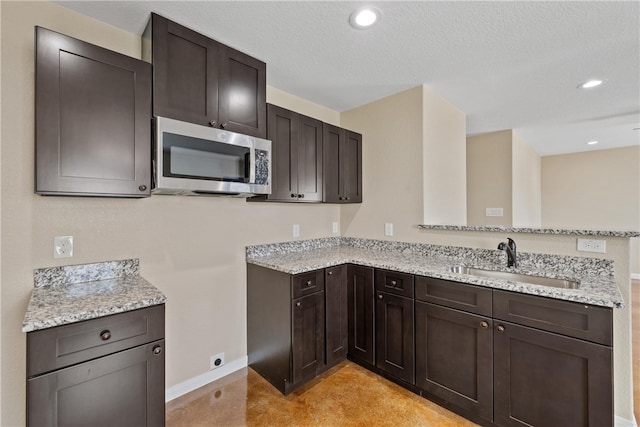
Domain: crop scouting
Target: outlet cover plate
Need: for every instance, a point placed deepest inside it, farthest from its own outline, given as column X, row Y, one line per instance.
column 63, row 246
column 592, row 245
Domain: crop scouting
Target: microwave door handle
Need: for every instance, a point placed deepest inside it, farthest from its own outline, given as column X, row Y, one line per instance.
column 252, row 165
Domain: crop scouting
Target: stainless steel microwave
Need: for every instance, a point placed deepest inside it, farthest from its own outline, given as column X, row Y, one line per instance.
column 192, row 159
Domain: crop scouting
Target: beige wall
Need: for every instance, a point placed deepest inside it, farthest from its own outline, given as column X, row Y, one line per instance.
column 444, row 161
column 527, row 185
column 390, row 148
column 190, row 248
column 594, row 190
column 391, row 164
column 489, row 178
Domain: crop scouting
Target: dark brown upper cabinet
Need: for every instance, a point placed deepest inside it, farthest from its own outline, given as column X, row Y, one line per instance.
column 342, row 165
column 198, row 80
column 296, row 155
column 93, row 120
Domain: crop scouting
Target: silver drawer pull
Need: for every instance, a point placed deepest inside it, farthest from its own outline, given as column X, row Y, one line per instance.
column 105, row 335
column 157, row 350
column 309, row 283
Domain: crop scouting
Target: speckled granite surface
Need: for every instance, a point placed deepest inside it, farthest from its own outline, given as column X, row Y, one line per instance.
column 74, row 293
column 597, row 284
column 609, row 233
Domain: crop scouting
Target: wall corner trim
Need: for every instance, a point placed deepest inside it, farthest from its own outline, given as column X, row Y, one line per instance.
column 204, row 379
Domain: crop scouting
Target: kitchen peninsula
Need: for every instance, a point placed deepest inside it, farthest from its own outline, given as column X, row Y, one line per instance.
column 454, row 338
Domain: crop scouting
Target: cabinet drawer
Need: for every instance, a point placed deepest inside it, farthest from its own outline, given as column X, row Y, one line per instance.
column 461, row 296
column 307, row 283
column 62, row 346
column 394, row 283
column 576, row 320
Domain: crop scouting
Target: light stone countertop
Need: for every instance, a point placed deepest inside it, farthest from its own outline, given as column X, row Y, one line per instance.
column 502, row 229
column 597, row 288
column 61, row 297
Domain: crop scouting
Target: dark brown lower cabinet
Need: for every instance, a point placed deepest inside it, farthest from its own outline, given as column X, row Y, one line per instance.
column 394, row 336
column 361, row 309
column 546, row 379
column 307, row 315
column 454, row 357
column 336, row 314
column 107, row 371
column 123, row 389
column 286, row 326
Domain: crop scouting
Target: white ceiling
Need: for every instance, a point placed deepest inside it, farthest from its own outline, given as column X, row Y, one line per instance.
column 507, row 65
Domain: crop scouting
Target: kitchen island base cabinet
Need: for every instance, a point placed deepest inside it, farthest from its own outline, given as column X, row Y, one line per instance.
column 546, row 379
column 454, row 358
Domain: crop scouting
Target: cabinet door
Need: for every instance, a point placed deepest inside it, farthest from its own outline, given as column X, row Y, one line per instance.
column 243, row 93
column 93, row 119
column 336, row 313
column 454, row 357
column 352, row 167
column 545, row 379
column 283, row 133
column 342, row 164
column 308, row 336
column 332, row 179
column 394, row 336
column 309, row 159
column 185, row 73
column 360, row 297
column 123, row 389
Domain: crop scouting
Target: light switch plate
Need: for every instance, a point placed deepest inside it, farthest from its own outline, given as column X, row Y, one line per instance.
column 494, row 212
column 335, row 228
column 296, row 230
column 388, row 229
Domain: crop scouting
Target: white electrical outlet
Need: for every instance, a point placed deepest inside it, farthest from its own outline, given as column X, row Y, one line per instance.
column 388, row 229
column 217, row 361
column 296, row 230
column 63, row 246
column 592, row 245
column 335, row 228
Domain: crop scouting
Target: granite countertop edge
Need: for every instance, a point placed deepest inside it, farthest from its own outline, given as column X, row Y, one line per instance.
column 63, row 304
column 559, row 231
column 594, row 290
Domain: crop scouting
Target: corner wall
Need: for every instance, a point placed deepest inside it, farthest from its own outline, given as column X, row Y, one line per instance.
column 526, row 189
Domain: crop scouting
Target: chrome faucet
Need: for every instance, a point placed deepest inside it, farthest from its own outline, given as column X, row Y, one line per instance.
column 510, row 249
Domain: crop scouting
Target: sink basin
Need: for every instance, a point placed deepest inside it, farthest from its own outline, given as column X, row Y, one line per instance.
column 526, row 278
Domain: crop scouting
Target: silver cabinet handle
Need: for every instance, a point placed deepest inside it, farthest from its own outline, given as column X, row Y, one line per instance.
column 298, row 304
column 500, row 328
column 484, row 325
column 223, row 125
column 142, row 187
column 380, row 296
column 157, row 350
column 213, row 123
column 105, row 335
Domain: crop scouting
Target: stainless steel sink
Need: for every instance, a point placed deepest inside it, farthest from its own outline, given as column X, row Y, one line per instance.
column 525, row 278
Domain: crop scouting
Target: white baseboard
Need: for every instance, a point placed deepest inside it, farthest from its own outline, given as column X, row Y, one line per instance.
column 623, row 422
column 204, row 379
column 635, row 276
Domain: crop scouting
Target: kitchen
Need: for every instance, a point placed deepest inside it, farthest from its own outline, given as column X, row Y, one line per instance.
column 193, row 249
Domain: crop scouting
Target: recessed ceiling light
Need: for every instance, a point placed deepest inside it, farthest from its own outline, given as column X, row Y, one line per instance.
column 591, row 83
column 592, row 142
column 364, row 17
